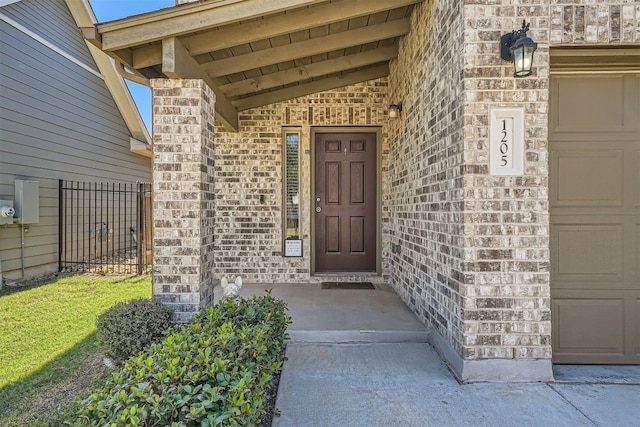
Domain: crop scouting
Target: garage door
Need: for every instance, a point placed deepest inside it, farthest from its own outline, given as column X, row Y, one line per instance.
column 594, row 194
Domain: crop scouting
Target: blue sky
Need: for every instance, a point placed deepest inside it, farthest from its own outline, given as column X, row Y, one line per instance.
column 108, row 10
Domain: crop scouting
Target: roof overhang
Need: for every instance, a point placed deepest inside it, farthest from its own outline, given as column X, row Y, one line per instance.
column 255, row 52
column 84, row 17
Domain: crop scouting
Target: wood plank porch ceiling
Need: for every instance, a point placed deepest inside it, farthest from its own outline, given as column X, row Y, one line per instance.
column 256, row 52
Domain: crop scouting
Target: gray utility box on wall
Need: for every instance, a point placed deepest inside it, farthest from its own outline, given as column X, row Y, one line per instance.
column 27, row 202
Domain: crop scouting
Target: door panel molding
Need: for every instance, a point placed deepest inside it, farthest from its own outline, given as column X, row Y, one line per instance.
column 354, row 194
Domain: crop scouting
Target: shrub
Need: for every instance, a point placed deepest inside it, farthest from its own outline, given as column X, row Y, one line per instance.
column 213, row 371
column 129, row 327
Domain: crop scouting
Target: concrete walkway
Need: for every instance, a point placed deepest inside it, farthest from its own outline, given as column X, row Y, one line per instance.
column 360, row 358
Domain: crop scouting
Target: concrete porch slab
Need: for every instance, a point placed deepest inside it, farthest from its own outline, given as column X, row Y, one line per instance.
column 343, row 315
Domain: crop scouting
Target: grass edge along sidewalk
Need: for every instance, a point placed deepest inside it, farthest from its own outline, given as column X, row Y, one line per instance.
column 47, row 334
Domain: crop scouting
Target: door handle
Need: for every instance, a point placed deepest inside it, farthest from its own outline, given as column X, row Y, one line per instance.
column 318, row 209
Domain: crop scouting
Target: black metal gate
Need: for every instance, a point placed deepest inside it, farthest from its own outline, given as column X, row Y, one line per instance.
column 104, row 228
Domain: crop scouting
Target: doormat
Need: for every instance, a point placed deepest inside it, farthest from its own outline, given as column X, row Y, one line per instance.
column 347, row 285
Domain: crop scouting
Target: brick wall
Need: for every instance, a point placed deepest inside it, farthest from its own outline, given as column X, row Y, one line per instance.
column 426, row 170
column 183, row 195
column 474, row 259
column 249, row 165
column 594, row 22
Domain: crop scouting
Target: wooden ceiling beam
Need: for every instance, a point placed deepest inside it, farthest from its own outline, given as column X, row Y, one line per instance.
column 124, row 56
column 313, row 87
column 178, row 64
column 274, row 26
column 306, row 72
column 147, row 56
column 184, row 19
column 306, row 48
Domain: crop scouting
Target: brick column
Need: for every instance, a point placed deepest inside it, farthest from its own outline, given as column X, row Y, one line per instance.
column 183, row 195
column 507, row 306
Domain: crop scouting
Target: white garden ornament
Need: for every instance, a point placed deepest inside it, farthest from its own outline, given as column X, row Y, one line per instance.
column 231, row 290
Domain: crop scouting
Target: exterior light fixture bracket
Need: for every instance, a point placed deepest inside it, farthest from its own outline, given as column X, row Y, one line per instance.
column 516, row 47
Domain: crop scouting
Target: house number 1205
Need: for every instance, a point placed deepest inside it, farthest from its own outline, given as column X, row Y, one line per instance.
column 506, row 141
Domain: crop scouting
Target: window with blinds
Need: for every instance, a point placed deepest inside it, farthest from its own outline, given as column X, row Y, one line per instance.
column 291, row 187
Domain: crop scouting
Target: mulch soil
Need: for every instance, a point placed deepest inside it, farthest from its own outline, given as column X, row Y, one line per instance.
column 270, row 402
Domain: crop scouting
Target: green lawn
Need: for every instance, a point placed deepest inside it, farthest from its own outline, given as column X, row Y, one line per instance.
column 49, row 330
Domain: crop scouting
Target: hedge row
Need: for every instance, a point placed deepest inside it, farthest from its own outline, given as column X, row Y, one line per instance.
column 210, row 372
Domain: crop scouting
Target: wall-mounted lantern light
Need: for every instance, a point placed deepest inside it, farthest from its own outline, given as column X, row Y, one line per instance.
column 516, row 47
column 394, row 110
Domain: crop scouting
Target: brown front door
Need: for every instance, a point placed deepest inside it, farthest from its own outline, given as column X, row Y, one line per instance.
column 345, row 202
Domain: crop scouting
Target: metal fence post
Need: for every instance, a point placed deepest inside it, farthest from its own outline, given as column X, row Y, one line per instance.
column 60, row 222
column 139, row 214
